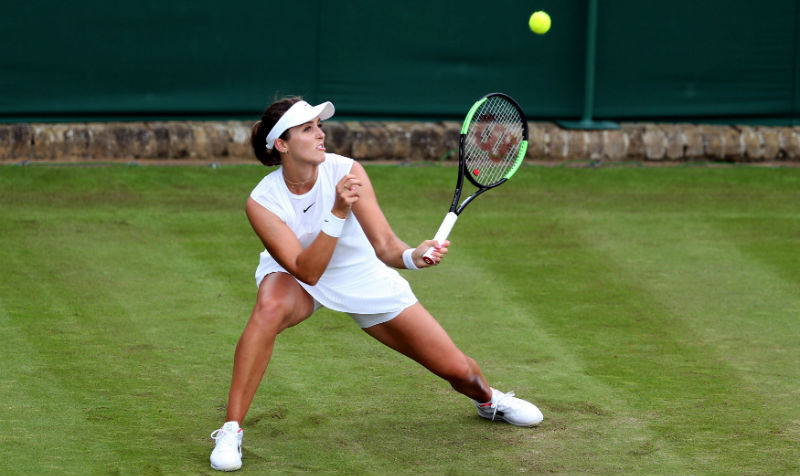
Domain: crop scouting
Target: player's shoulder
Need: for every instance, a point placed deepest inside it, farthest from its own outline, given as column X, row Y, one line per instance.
column 267, row 185
column 336, row 160
column 337, row 165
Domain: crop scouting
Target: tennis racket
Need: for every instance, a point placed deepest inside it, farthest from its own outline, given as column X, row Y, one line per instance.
column 491, row 147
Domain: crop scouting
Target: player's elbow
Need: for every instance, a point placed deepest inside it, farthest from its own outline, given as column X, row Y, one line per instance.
column 308, row 268
column 386, row 248
column 308, row 278
column 385, row 254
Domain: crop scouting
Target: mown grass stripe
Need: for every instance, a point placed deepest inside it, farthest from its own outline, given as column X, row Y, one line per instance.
column 147, row 274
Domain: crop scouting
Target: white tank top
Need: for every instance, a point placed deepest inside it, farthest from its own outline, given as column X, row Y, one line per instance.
column 355, row 281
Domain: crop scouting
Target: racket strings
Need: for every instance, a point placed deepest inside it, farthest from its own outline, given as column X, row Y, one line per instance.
column 493, row 140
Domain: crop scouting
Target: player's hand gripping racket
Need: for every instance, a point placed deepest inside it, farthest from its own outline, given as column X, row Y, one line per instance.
column 491, row 147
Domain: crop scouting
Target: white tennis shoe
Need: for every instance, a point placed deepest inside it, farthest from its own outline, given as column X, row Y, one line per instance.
column 507, row 407
column 227, row 453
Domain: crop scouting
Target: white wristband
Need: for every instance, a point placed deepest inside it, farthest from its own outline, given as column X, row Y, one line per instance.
column 408, row 260
column 332, row 225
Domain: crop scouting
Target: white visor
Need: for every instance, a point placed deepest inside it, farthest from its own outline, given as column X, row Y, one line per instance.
column 300, row 113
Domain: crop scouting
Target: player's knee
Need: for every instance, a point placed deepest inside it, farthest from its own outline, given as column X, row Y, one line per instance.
column 271, row 313
column 460, row 371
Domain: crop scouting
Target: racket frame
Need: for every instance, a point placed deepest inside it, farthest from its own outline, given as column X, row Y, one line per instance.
column 455, row 208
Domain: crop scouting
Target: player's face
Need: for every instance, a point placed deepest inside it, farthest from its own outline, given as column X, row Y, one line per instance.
column 307, row 142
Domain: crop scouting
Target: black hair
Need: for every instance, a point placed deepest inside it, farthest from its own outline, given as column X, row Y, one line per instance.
column 258, row 137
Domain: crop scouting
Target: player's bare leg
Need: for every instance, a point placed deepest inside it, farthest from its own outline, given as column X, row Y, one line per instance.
column 281, row 303
column 416, row 334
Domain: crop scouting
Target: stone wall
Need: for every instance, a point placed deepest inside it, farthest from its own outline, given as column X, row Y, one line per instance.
column 402, row 141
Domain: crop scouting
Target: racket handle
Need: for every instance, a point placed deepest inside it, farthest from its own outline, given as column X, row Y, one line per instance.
column 444, row 231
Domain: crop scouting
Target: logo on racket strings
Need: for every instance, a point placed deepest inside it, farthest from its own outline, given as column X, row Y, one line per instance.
column 493, row 138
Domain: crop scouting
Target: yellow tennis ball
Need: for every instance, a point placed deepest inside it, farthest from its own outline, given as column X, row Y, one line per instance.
column 539, row 22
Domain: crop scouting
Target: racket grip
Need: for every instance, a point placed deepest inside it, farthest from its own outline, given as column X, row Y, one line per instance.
column 444, row 231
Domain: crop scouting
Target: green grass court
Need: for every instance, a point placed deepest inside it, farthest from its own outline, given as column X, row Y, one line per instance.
column 653, row 314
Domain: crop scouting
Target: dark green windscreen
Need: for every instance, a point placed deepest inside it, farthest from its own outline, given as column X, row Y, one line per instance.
column 179, row 58
column 704, row 58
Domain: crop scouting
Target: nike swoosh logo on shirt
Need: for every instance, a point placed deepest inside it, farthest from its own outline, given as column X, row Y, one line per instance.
column 306, row 209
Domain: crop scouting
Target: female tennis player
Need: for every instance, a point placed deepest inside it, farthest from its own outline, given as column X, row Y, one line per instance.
column 327, row 243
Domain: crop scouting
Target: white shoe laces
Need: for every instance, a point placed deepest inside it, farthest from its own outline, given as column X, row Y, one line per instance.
column 225, row 438
column 499, row 401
